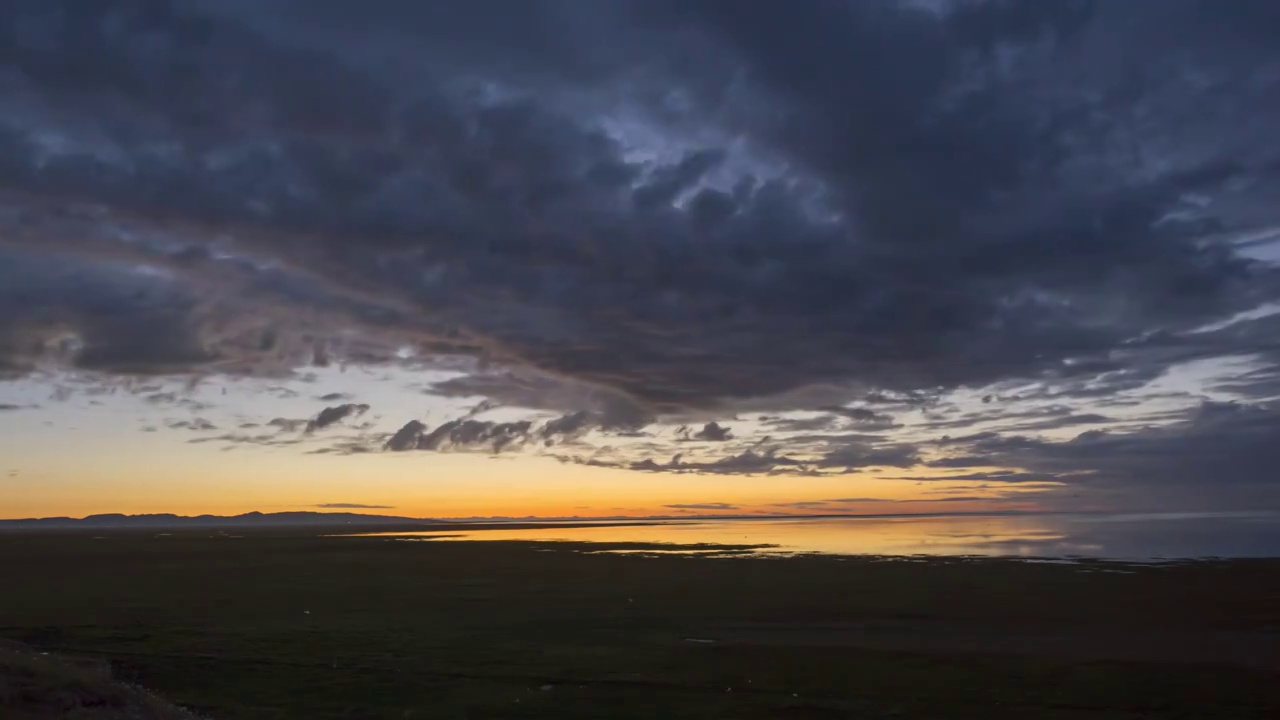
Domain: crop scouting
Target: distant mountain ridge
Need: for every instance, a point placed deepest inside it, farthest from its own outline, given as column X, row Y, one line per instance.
column 169, row 520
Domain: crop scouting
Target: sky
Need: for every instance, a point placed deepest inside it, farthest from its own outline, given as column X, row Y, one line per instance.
column 639, row 257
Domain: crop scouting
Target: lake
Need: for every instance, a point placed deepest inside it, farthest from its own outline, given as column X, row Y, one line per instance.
column 1133, row 537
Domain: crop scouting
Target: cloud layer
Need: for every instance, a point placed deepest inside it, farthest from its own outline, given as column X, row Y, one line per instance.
column 641, row 211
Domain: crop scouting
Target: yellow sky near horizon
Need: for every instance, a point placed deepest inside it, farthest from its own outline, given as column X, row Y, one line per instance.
column 185, row 479
column 93, row 453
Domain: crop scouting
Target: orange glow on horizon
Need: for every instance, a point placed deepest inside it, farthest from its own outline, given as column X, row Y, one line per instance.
column 80, row 458
column 525, row 488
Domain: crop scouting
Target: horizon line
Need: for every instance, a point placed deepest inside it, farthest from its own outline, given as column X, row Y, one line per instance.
column 580, row 518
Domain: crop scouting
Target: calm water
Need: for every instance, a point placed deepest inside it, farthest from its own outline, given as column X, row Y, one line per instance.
column 1123, row 537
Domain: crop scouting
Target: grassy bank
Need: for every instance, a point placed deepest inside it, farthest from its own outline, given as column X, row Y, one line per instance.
column 36, row 685
column 279, row 625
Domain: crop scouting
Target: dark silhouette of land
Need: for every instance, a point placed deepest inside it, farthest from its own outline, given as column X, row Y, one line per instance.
column 167, row 521
column 297, row 623
column 345, row 521
column 335, row 522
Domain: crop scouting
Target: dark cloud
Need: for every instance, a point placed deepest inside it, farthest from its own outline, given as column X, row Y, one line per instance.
column 463, row 433
column 802, row 424
column 335, row 413
column 714, row 432
column 407, row 437
column 1220, row 454
column 288, row 424
column 591, row 404
column 761, row 458
column 354, row 506
column 233, row 440
column 1035, row 187
column 1060, row 422
column 1053, row 417
column 194, row 424
column 864, row 418
column 997, row 476
column 748, row 462
column 127, row 321
column 855, row 456
column 334, row 397
column 171, row 397
column 468, row 433
column 357, row 446
column 1012, row 416
column 961, row 461
column 636, row 209
column 568, row 425
column 910, row 501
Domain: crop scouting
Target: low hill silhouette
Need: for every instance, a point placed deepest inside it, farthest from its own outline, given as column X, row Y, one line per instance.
column 169, row 520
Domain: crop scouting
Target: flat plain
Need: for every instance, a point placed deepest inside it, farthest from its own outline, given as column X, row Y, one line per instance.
column 298, row 624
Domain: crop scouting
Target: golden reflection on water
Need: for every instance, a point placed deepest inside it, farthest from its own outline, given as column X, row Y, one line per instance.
column 970, row 535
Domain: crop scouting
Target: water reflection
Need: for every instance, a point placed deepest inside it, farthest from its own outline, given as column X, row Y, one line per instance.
column 1123, row 537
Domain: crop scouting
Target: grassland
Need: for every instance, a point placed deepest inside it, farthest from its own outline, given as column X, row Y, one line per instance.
column 296, row 625
column 37, row 686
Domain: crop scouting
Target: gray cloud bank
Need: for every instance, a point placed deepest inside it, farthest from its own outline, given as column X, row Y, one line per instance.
column 658, row 207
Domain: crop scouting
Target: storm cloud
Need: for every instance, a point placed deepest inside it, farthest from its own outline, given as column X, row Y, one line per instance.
column 1218, row 455
column 653, row 210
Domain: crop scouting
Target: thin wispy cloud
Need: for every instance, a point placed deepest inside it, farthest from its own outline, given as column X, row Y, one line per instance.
column 702, row 506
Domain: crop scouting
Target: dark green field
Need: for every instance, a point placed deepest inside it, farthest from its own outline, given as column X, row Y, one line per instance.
column 301, row 626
